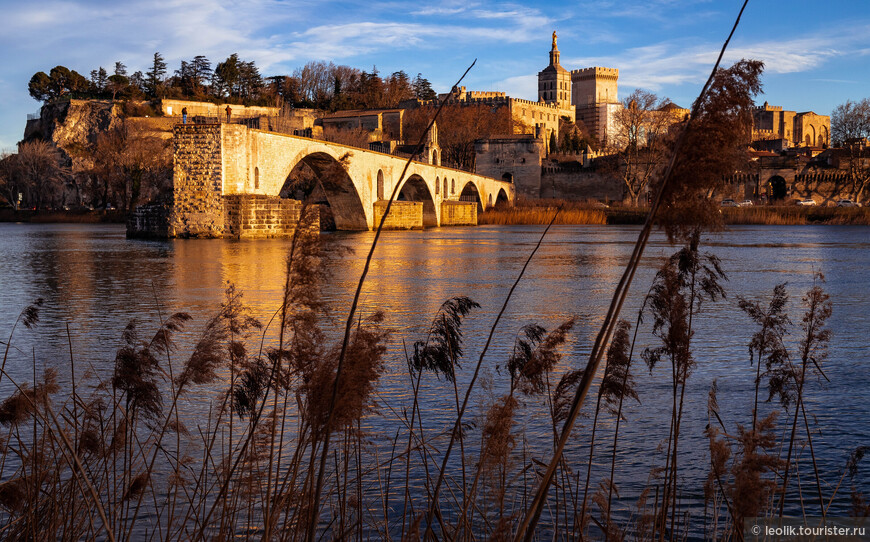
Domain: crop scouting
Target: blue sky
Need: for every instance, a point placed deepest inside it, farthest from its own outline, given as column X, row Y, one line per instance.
column 817, row 54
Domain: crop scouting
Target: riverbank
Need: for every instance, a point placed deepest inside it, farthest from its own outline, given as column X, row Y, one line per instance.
column 62, row 217
column 541, row 213
column 585, row 214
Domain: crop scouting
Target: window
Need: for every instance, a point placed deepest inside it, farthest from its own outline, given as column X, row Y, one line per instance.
column 437, row 186
column 380, row 184
column 256, row 178
column 452, row 186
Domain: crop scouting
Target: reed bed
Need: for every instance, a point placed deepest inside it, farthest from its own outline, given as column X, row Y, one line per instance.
column 511, row 216
column 797, row 215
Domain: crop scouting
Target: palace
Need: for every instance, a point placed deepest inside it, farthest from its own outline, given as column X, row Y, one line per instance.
column 588, row 95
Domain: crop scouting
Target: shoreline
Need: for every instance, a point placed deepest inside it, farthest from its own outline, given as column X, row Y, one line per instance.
column 733, row 216
column 574, row 214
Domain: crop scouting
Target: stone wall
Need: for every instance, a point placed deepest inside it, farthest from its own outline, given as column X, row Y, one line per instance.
column 580, row 184
column 252, row 216
column 404, row 215
column 458, row 213
column 172, row 108
column 198, row 206
column 511, row 158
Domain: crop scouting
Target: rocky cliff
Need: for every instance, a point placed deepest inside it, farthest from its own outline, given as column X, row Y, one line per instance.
column 74, row 126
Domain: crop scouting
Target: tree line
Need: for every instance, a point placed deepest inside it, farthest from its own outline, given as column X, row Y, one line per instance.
column 317, row 84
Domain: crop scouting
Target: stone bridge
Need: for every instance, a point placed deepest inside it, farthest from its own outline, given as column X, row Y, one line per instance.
column 222, row 171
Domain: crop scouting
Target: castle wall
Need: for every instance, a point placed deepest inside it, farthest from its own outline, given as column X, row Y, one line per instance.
column 517, row 156
column 580, row 184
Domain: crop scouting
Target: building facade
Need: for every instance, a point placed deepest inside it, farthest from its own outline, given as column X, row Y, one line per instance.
column 771, row 122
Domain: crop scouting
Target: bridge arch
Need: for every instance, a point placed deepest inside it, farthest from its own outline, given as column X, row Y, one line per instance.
column 322, row 178
column 470, row 192
column 416, row 189
column 507, row 177
column 502, row 199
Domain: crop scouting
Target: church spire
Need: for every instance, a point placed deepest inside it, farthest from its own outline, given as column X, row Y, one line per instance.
column 554, row 52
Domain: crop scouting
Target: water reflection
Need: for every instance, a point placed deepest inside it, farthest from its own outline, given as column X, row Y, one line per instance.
column 95, row 280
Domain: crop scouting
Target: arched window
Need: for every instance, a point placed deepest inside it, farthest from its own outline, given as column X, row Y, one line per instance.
column 380, row 184
column 437, row 186
column 452, row 186
column 256, row 178
column 445, row 187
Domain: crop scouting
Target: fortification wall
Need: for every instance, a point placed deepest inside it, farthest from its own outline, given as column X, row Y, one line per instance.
column 580, row 185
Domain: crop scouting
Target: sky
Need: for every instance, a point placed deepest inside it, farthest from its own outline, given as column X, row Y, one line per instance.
column 816, row 54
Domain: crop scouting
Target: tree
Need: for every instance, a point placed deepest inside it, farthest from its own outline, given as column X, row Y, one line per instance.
column 423, row 88
column 155, row 76
column 641, row 128
column 459, row 126
column 39, row 172
column 59, row 81
column 226, row 76
column 715, row 146
column 129, row 167
column 120, row 69
column 850, row 120
column 850, row 128
column 99, row 78
column 10, row 180
column 40, row 87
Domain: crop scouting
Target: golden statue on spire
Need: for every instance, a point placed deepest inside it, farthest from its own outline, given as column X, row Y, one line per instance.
column 554, row 39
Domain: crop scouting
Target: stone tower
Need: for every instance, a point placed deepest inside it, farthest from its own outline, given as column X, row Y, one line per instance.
column 554, row 81
column 594, row 86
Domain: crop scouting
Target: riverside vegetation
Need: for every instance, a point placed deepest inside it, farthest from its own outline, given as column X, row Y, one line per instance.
column 283, row 453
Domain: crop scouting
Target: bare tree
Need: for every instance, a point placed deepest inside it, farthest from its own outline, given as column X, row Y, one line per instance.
column 39, row 171
column 850, row 128
column 640, row 140
column 129, row 167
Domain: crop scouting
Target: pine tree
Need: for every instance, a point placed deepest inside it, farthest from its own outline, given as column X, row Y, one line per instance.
column 155, row 76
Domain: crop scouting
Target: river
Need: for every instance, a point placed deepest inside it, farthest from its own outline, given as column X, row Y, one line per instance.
column 95, row 280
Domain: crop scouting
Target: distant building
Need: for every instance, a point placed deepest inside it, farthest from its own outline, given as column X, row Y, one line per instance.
column 771, row 122
column 382, row 124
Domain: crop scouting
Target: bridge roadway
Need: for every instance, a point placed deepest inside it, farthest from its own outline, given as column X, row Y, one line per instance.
column 256, row 162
